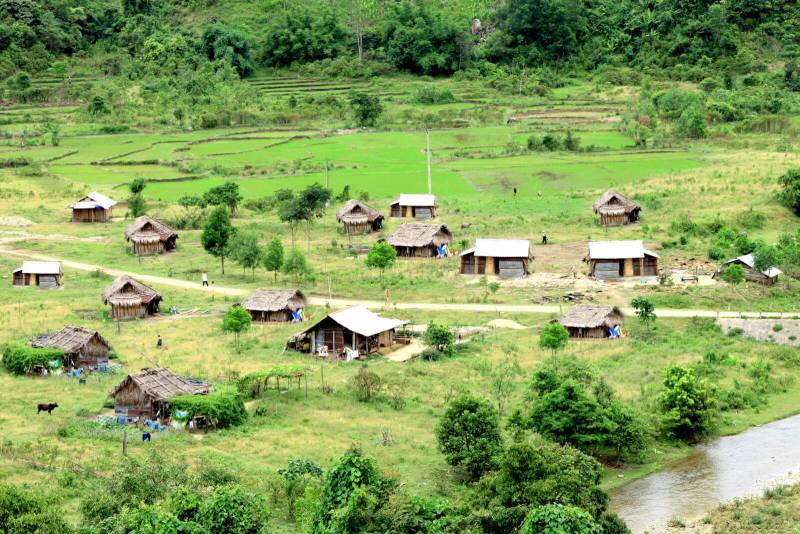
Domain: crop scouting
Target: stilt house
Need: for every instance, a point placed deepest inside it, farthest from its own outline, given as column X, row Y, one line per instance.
column 592, row 322
column 94, row 207
column 767, row 277
column 146, row 394
column 130, row 299
column 414, row 207
column 274, row 305
column 358, row 218
column 614, row 209
column 612, row 260
column 83, row 349
column 43, row 274
column 149, row 236
column 507, row 258
column 419, row 240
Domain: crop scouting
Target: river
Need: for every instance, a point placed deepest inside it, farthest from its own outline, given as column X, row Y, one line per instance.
column 731, row 467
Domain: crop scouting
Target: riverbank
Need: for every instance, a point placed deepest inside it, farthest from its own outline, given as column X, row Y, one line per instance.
column 776, row 512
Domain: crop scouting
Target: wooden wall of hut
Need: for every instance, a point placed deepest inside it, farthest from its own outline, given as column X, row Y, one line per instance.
column 600, row 332
column 122, row 312
column 282, row 316
column 145, row 249
column 416, row 252
column 91, row 215
column 614, row 219
column 92, row 354
column 357, row 228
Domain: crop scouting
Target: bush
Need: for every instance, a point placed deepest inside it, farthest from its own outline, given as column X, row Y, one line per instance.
column 432, row 94
column 692, row 124
column 733, row 274
column 790, row 193
column 20, row 359
column 439, row 337
column 558, row 518
column 234, row 510
column 365, row 384
column 688, row 404
column 468, row 434
column 223, row 407
column 553, row 337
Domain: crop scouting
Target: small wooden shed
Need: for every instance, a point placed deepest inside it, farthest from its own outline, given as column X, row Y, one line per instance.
column 150, row 236
column 767, row 277
column 414, row 207
column 94, row 207
column 612, row 260
column 591, row 322
column 274, row 305
column 356, row 329
column 130, row 299
column 43, row 274
column 420, row 240
column 83, row 348
column 146, row 394
column 507, row 258
column 614, row 209
column 358, row 218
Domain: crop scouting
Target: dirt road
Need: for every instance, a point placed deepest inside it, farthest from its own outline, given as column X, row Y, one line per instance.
column 376, row 304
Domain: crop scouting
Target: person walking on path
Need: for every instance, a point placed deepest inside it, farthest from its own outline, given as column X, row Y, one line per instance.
column 544, row 237
column 205, row 279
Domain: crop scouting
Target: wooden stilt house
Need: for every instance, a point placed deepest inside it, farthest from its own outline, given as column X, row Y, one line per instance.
column 149, row 236
column 358, row 218
column 83, row 348
column 414, row 207
column 43, row 274
column 613, row 209
column 747, row 262
column 507, row 258
column 146, row 394
column 94, row 207
column 130, row 299
column 419, row 240
column 591, row 322
column 274, row 305
column 613, row 260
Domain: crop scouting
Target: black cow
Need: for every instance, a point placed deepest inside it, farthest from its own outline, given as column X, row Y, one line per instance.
column 46, row 408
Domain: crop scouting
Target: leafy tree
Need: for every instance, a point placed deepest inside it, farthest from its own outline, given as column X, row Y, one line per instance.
column 692, row 124
column 381, row 256
column 290, row 210
column 439, row 337
column 553, row 337
column 219, row 42
column 644, row 309
column 359, row 16
column 226, row 194
column 366, row 108
column 296, row 265
column 733, row 274
column 313, row 201
column 231, row 508
column 688, row 404
column 98, row 106
column 136, row 7
column 302, row 33
column 468, row 434
column 559, row 519
column 246, row 251
column 765, row 257
column 273, row 256
column 790, row 193
column 217, row 234
column 236, row 321
column 366, row 384
column 137, row 206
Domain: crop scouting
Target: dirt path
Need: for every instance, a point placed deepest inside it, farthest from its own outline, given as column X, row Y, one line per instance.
column 376, row 304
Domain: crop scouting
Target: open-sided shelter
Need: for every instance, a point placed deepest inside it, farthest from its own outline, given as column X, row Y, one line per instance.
column 149, row 236
column 358, row 218
column 146, row 394
column 592, row 322
column 94, row 207
column 419, row 240
column 507, row 258
column 414, row 207
column 614, row 209
column 766, row 277
column 274, row 305
column 354, row 328
column 83, row 348
column 44, row 274
column 130, row 299
column 612, row 260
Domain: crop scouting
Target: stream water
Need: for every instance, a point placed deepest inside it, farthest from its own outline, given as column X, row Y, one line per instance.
column 734, row 466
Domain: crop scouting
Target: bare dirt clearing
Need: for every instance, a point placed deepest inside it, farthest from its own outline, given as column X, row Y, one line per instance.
column 781, row 331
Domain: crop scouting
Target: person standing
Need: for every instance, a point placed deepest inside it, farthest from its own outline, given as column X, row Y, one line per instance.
column 159, row 342
column 544, row 237
column 205, row 279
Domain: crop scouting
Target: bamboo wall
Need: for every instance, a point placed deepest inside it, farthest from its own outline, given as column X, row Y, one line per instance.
column 91, row 215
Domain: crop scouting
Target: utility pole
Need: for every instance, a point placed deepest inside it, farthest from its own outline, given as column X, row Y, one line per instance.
column 327, row 202
column 428, row 145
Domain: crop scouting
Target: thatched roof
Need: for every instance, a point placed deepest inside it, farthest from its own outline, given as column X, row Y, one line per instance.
column 612, row 202
column 618, row 250
column 417, row 201
column 146, row 230
column 161, row 384
column 420, row 235
column 126, row 290
column 94, row 200
column 271, row 300
column 70, row 339
column 591, row 317
column 356, row 212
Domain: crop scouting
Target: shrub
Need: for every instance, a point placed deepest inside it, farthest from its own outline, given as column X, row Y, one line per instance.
column 553, row 337
column 688, row 404
column 692, row 124
column 233, row 509
column 365, row 384
column 733, row 274
column 558, row 518
column 777, row 327
column 468, row 434
column 20, row 359
column 439, row 337
column 790, row 190
column 431, row 94
column 223, row 407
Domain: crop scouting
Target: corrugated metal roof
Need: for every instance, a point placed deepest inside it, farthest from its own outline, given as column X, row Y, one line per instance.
column 614, row 250
column 94, row 200
column 421, row 201
column 750, row 261
column 40, row 267
column 362, row 321
column 503, row 248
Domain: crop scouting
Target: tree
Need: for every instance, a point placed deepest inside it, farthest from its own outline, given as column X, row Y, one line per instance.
column 245, row 251
column 559, row 519
column 790, row 193
column 366, row 108
column 290, row 210
column 219, row 42
column 692, row 123
column 554, row 337
column 766, row 257
column 217, row 234
column 468, row 434
column 439, row 337
column 688, row 404
column 231, row 508
column 645, row 310
column 296, row 265
column 301, row 33
column 381, row 256
column 313, row 201
column 136, row 203
column 359, row 14
column 733, row 274
column 226, row 194
column 366, row 384
column 273, row 256
column 298, row 474
column 236, row 321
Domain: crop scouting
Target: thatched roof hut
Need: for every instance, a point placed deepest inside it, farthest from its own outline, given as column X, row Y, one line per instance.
column 614, row 209
column 146, row 394
column 85, row 349
column 150, row 236
column 591, row 321
column 611, row 260
column 274, row 305
column 767, row 277
column 358, row 218
column 94, row 207
column 130, row 298
column 44, row 274
column 414, row 207
column 419, row 240
column 507, row 258
column 353, row 329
